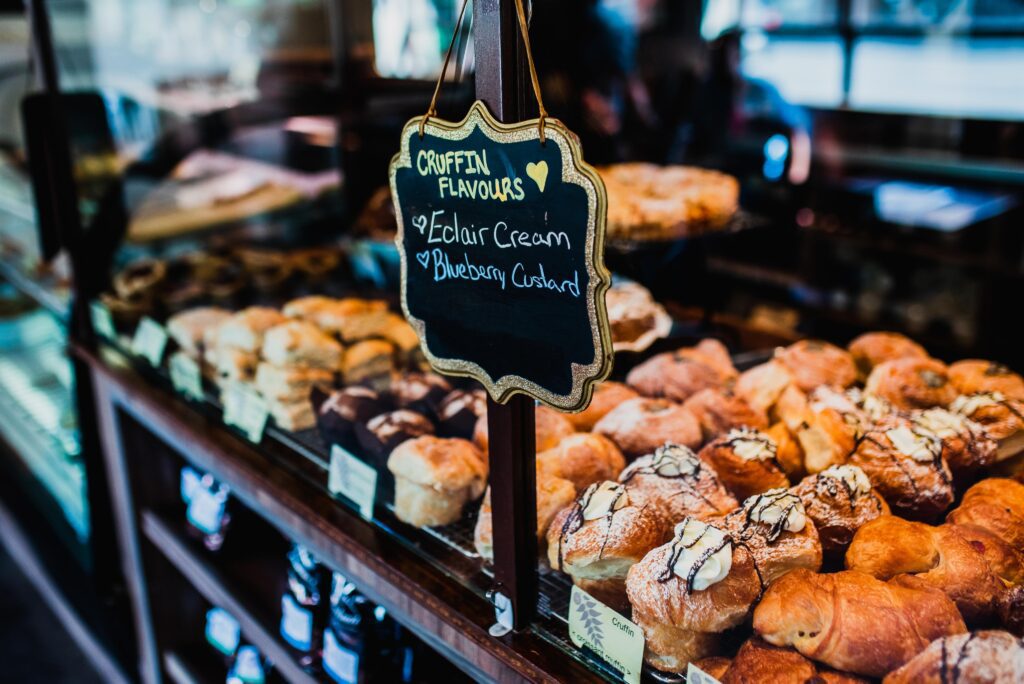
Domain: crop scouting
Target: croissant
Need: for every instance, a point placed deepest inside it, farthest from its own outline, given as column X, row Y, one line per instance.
column 758, row 661
column 996, row 505
column 854, row 622
column 890, row 546
column 988, row 657
column 1005, row 561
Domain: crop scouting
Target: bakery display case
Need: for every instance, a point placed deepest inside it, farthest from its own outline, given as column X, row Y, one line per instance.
column 812, row 299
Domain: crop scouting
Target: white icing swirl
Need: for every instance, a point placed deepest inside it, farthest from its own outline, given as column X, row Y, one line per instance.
column 751, row 445
column 601, row 499
column 876, row 407
column 919, row 447
column 856, row 482
column 702, row 554
column 779, row 508
column 674, row 460
column 967, row 405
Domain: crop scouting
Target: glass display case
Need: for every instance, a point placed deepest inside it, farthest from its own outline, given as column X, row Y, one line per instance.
column 771, row 176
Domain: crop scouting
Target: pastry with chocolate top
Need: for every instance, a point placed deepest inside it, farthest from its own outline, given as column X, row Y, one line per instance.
column 873, row 348
column 912, row 383
column 839, row 500
column 906, row 467
column 966, row 447
column 674, row 481
column 381, row 434
column 975, row 375
column 721, row 410
column 421, row 392
column 459, row 412
column 758, row 661
column 343, row 410
column 986, row 657
column 639, row 426
column 597, row 539
column 746, row 462
column 814, row 363
column 435, row 478
column 607, row 395
column 583, row 458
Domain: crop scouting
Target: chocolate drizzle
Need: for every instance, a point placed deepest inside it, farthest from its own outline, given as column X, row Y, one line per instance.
column 574, row 521
column 760, row 502
column 678, row 548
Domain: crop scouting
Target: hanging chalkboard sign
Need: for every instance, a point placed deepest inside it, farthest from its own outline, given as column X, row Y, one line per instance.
column 501, row 236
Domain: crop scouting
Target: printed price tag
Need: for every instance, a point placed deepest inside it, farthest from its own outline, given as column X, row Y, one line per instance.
column 296, row 624
column 610, row 635
column 150, row 341
column 340, row 664
column 353, row 479
column 695, row 675
column 206, row 510
column 246, row 410
column 222, row 630
column 102, row 321
column 186, row 377
column 248, row 668
column 189, row 483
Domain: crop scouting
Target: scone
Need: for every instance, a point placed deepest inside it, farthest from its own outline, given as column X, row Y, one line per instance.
column 290, row 384
column 297, row 343
column 435, row 478
column 188, row 328
column 367, row 361
column 245, row 329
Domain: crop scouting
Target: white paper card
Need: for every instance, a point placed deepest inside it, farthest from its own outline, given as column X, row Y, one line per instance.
column 354, row 479
column 607, row 633
column 296, row 623
column 695, row 675
column 222, row 630
column 341, row 664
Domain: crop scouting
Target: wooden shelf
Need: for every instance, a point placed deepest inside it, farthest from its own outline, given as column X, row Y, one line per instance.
column 217, row 587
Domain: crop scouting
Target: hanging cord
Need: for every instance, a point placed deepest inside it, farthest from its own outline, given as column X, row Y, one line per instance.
column 524, row 31
column 432, row 111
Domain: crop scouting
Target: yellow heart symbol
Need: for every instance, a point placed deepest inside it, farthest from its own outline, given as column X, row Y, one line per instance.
column 538, row 172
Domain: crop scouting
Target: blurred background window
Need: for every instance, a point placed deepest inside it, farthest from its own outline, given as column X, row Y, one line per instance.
column 960, row 58
column 411, row 36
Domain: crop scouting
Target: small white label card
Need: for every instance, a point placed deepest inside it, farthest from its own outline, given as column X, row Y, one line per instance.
column 190, row 479
column 695, row 675
column 246, row 410
column 248, row 667
column 186, row 376
column 296, row 624
column 610, row 635
column 340, row 664
column 102, row 321
column 222, row 630
column 354, row 479
column 150, row 341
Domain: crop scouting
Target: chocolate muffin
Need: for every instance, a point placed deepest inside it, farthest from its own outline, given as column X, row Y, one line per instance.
column 458, row 412
column 340, row 412
column 379, row 435
column 422, row 392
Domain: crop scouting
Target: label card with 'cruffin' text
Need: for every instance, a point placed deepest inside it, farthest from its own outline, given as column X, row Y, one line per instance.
column 610, row 635
column 501, row 237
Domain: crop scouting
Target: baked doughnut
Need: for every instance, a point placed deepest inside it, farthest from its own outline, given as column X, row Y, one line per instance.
column 965, row 445
column 551, row 427
column 721, row 410
column 873, row 348
column 607, row 395
column 854, row 622
column 599, row 538
column 814, row 363
column 757, row 661
column 762, row 385
column 553, row 494
column 839, row 500
column 677, row 483
column 745, row 461
column 971, row 376
column 906, row 467
column 639, row 426
column 1002, row 419
column 912, row 383
column 1005, row 561
column 987, row 657
column 774, row 527
column 583, row 458
column 435, row 478
column 994, row 504
column 889, row 546
column 686, row 592
column 678, row 375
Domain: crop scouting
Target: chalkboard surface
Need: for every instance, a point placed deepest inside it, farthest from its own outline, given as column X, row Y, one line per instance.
column 501, row 238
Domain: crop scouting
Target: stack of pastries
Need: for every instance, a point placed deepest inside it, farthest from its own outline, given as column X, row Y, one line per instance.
column 855, row 512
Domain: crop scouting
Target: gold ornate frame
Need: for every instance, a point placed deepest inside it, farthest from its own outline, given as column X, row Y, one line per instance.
column 578, row 173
